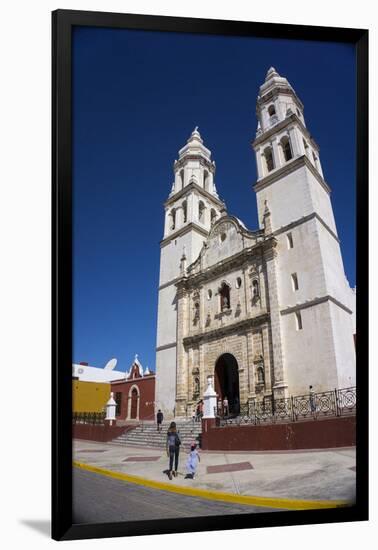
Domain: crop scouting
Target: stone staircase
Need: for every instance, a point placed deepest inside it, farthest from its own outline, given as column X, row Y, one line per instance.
column 147, row 435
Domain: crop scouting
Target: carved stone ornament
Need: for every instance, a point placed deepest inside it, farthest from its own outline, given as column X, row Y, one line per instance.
column 222, row 228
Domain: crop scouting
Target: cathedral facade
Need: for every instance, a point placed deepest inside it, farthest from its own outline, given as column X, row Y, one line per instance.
column 265, row 312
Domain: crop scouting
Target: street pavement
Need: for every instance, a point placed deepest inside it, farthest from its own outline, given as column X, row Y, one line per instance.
column 313, row 475
column 99, row 499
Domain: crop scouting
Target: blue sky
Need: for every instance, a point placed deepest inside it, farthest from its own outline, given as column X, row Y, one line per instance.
column 136, row 98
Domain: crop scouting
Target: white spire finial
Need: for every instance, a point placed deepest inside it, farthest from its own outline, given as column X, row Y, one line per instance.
column 195, row 135
column 271, row 73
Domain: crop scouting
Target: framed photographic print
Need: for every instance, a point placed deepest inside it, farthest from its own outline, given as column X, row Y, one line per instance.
column 205, row 301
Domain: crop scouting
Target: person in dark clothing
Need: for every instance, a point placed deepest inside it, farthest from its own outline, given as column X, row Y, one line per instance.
column 159, row 420
column 173, row 448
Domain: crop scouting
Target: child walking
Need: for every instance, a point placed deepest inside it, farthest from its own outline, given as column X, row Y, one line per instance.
column 192, row 461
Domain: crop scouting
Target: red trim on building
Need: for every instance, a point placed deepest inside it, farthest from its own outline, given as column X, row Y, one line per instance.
column 144, row 408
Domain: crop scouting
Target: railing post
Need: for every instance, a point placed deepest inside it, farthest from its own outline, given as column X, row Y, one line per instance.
column 292, row 409
column 336, row 403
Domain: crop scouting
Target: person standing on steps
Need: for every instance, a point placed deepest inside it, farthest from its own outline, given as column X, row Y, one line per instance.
column 225, row 406
column 173, row 449
column 159, row 420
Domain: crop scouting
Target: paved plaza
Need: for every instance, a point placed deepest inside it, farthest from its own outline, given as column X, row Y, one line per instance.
column 107, row 475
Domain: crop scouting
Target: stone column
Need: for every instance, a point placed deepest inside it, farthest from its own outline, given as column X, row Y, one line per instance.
column 179, row 216
column 211, row 181
column 195, row 202
column 167, row 223
column 177, row 181
column 260, row 172
column 276, row 153
column 190, row 203
column 293, row 134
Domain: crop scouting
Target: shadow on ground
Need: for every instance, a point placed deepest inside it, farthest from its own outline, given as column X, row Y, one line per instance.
column 43, row 526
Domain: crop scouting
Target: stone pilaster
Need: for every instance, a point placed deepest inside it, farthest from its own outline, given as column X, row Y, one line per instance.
column 182, row 355
column 280, row 385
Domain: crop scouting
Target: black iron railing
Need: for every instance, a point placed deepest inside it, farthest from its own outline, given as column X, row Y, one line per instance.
column 313, row 406
column 88, row 417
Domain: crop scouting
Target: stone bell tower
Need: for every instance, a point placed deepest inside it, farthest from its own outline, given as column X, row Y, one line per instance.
column 192, row 207
column 311, row 301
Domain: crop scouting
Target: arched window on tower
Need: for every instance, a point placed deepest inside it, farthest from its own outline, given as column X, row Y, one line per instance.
column 224, row 293
column 173, row 218
column 213, row 216
column 315, row 158
column 271, row 110
column 269, row 161
column 182, row 179
column 185, row 211
column 286, row 148
column 201, row 211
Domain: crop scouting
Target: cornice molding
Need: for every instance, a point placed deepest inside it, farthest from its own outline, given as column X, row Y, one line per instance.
column 192, row 186
column 288, row 168
column 166, row 346
column 315, row 302
column 251, row 322
column 204, row 161
column 276, row 91
column 182, row 231
column 305, row 219
column 169, row 283
column 292, row 119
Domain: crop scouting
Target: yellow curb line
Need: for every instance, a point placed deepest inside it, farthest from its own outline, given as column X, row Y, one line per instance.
column 249, row 500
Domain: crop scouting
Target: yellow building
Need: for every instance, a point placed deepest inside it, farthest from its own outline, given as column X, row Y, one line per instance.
column 89, row 396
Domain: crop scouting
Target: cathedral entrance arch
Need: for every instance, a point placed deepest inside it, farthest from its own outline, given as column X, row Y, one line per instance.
column 227, row 381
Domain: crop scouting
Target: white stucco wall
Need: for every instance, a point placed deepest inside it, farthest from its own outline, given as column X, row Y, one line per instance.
column 165, row 389
column 309, row 354
column 342, row 326
column 305, row 260
column 289, row 199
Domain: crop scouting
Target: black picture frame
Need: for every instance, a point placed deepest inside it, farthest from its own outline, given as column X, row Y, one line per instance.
column 63, row 22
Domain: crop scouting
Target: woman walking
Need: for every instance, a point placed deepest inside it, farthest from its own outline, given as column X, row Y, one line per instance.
column 173, row 448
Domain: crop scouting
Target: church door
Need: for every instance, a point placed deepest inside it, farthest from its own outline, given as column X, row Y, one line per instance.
column 134, row 404
column 227, row 381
